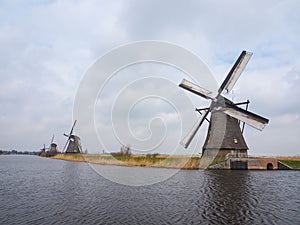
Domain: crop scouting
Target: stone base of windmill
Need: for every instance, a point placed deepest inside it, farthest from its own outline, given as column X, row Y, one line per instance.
column 240, row 161
column 218, row 158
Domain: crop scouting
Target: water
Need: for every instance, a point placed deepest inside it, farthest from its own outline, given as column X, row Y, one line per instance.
column 36, row 190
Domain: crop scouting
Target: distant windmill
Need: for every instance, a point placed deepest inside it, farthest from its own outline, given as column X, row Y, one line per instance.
column 43, row 151
column 52, row 149
column 224, row 133
column 73, row 142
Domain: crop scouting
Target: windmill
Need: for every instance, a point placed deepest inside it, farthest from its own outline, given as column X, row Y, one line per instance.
column 73, row 142
column 42, row 151
column 52, row 149
column 224, row 133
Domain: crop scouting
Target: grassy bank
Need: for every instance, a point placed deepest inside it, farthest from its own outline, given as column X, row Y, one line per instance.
column 291, row 163
column 164, row 161
column 70, row 157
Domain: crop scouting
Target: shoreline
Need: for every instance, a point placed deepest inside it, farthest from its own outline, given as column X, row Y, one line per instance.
column 158, row 161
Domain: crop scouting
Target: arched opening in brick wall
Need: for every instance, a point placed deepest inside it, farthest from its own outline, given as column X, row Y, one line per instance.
column 269, row 166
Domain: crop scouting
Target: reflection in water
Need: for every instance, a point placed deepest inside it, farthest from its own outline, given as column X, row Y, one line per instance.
column 230, row 197
column 36, row 190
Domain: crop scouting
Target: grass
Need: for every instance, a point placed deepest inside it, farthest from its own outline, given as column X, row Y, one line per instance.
column 292, row 163
column 70, row 157
column 156, row 160
column 218, row 159
column 163, row 161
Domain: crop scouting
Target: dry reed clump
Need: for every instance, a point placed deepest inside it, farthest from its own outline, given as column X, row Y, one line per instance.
column 70, row 157
column 154, row 160
column 292, row 158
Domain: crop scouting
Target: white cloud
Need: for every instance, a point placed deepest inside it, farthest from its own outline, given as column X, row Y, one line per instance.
column 46, row 46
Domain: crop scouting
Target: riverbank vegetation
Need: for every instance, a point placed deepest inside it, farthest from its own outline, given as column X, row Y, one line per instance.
column 154, row 160
column 150, row 160
column 295, row 164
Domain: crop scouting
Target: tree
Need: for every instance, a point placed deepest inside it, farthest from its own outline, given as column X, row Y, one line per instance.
column 126, row 150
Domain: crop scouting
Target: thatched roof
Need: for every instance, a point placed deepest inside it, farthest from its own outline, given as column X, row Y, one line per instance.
column 224, row 133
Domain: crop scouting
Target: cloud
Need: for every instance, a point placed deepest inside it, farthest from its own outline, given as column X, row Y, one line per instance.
column 46, row 46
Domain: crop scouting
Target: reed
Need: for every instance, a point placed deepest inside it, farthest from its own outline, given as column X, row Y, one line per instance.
column 157, row 160
column 164, row 161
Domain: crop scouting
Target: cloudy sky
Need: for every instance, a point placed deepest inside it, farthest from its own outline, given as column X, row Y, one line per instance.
column 46, row 47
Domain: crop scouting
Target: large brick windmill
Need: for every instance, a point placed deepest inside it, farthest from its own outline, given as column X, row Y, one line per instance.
column 224, row 134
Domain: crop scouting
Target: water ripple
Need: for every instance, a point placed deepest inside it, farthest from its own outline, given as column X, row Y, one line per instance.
column 36, row 190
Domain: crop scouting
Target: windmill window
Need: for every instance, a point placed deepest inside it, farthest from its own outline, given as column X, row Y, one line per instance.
column 235, row 140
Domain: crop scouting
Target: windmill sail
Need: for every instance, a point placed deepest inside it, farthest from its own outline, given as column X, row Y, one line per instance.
column 52, row 139
column 71, row 132
column 189, row 137
column 235, row 72
column 196, row 89
column 66, row 145
column 249, row 118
